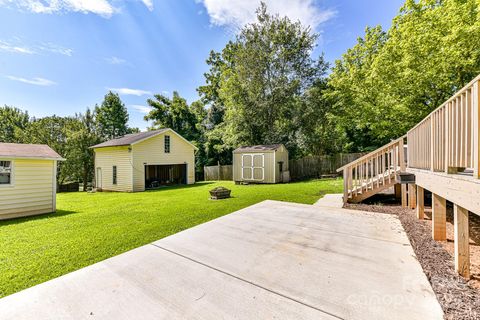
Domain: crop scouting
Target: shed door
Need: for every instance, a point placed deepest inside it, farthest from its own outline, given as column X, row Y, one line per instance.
column 253, row 167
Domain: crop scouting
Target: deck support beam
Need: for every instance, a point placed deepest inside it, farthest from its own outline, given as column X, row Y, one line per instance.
column 462, row 251
column 439, row 218
column 420, row 203
column 412, row 195
column 398, row 191
column 404, row 195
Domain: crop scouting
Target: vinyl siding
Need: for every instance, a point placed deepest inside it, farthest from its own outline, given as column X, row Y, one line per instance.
column 151, row 152
column 32, row 190
column 106, row 158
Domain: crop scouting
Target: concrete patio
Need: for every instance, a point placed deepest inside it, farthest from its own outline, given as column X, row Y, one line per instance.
column 273, row 260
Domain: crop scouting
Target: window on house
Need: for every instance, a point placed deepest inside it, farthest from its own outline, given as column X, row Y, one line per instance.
column 114, row 174
column 167, row 144
column 5, row 172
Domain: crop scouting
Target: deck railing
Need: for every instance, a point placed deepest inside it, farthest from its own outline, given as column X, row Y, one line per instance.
column 447, row 140
column 374, row 170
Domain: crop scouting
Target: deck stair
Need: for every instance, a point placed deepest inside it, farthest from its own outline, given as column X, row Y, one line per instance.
column 373, row 172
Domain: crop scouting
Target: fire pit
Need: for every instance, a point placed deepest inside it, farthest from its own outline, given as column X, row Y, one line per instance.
column 220, row 193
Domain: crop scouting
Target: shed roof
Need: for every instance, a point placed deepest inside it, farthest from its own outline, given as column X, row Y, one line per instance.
column 259, row 148
column 33, row 151
column 128, row 139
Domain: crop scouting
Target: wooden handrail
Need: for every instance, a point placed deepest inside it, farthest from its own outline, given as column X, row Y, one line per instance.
column 363, row 158
column 461, row 91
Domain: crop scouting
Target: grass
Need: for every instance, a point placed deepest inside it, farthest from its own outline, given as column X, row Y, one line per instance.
column 90, row 227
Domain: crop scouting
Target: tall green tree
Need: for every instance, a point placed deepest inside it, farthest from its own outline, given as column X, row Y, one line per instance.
column 390, row 80
column 174, row 113
column 111, row 117
column 81, row 135
column 13, row 123
column 53, row 131
column 257, row 85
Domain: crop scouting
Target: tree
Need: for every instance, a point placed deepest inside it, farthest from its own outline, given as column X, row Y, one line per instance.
column 13, row 122
column 389, row 81
column 257, row 84
column 175, row 114
column 111, row 117
column 354, row 95
column 53, row 131
column 81, row 136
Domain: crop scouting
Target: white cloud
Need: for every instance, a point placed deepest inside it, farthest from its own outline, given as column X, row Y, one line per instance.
column 35, row 81
column 148, row 4
column 9, row 47
column 100, row 7
column 115, row 60
column 141, row 109
column 104, row 8
column 18, row 47
column 237, row 13
column 132, row 92
column 53, row 48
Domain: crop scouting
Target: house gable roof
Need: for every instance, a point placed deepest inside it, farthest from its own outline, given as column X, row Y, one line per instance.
column 28, row 151
column 259, row 148
column 134, row 138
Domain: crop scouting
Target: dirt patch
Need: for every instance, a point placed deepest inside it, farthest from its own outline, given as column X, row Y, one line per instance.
column 460, row 299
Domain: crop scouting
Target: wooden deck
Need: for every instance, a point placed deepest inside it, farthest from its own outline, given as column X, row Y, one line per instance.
column 443, row 152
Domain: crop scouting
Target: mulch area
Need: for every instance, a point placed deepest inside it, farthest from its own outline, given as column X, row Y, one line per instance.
column 459, row 298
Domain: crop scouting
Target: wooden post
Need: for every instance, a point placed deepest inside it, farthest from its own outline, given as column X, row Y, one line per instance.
column 439, row 218
column 412, row 196
column 398, row 191
column 345, row 185
column 404, row 195
column 420, row 203
column 476, row 130
column 462, row 251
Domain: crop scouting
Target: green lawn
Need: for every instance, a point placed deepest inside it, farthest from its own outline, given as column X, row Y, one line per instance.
column 90, row 227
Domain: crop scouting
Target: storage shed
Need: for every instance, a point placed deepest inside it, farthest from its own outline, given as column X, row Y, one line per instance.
column 144, row 160
column 261, row 164
column 28, row 179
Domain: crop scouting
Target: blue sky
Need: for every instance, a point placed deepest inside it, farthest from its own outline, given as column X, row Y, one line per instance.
column 62, row 56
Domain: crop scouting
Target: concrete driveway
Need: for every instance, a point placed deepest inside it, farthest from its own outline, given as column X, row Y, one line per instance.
column 273, row 260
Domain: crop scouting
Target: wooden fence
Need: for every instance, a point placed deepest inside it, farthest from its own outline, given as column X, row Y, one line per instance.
column 318, row 166
column 219, row 172
column 304, row 168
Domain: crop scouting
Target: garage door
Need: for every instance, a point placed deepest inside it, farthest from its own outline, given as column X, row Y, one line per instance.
column 253, row 167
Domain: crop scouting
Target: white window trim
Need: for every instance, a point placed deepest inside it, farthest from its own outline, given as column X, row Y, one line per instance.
column 12, row 175
column 252, row 167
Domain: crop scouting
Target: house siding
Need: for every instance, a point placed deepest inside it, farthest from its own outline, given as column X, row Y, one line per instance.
column 32, row 191
column 151, row 152
column 106, row 158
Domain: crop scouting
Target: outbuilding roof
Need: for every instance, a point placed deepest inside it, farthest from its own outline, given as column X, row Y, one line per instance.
column 128, row 139
column 31, row 151
column 261, row 147
column 133, row 138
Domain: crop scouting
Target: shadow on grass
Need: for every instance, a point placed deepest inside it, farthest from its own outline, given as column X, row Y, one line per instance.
column 181, row 186
column 58, row 214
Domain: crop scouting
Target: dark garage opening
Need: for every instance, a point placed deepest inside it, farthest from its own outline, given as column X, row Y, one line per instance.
column 165, row 175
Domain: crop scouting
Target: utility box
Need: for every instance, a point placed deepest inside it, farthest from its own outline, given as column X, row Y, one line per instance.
column 261, row 164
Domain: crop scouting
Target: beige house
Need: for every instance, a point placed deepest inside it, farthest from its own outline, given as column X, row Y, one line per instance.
column 144, row 160
column 27, row 179
column 261, row 164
